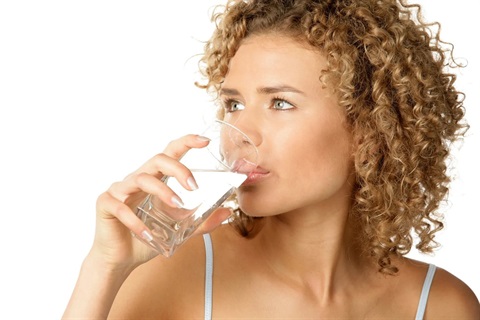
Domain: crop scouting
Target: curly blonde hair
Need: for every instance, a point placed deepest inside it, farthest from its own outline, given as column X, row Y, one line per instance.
column 388, row 68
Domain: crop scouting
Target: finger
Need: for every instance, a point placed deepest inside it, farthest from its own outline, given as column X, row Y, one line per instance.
column 167, row 164
column 163, row 165
column 109, row 207
column 214, row 220
column 135, row 189
column 148, row 178
column 177, row 148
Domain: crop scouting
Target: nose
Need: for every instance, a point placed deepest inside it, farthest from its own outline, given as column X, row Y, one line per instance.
column 250, row 125
column 239, row 141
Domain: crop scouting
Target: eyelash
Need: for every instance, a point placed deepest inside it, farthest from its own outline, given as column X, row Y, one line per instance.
column 227, row 102
column 278, row 98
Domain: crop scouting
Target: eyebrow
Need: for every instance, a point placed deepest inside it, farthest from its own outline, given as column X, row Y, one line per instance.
column 263, row 90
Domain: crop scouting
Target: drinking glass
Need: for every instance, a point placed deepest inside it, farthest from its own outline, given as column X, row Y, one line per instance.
column 218, row 169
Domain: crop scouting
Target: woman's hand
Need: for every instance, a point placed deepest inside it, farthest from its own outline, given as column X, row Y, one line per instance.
column 114, row 245
column 115, row 252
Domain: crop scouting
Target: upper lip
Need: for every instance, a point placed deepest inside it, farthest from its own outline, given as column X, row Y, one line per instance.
column 247, row 167
column 260, row 170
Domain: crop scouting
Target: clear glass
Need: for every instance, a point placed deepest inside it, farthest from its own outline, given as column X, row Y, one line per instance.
column 218, row 169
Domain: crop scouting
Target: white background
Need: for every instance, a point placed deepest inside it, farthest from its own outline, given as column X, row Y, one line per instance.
column 89, row 90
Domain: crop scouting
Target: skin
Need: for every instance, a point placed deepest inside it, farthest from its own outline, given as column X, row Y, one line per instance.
column 303, row 263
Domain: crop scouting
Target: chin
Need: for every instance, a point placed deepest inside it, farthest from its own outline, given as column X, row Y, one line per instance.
column 256, row 208
column 260, row 201
column 247, row 201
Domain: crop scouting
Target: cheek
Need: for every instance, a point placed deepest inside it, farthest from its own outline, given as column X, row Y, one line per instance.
column 321, row 149
column 321, row 158
column 306, row 171
column 319, row 165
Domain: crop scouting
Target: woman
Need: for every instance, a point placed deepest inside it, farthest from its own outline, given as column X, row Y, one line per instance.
column 351, row 111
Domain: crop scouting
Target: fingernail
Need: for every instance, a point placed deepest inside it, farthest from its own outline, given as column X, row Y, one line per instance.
column 147, row 236
column 177, row 202
column 202, row 138
column 192, row 183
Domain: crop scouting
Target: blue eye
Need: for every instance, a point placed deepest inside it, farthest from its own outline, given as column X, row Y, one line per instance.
column 279, row 104
column 232, row 106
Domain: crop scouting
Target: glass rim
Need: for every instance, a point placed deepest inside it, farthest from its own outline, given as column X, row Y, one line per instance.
column 247, row 139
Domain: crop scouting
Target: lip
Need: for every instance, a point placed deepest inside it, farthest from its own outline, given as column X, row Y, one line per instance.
column 259, row 174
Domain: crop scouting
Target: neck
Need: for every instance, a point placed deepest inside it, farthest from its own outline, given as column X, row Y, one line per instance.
column 312, row 247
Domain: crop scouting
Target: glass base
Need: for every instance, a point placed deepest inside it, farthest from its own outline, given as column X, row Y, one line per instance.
column 168, row 234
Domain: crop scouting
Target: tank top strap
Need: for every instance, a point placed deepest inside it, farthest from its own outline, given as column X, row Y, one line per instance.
column 422, row 304
column 208, row 275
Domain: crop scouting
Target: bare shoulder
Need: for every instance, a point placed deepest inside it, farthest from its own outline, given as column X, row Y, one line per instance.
column 451, row 298
column 165, row 287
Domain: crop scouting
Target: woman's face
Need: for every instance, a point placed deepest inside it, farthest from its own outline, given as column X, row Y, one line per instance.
column 273, row 93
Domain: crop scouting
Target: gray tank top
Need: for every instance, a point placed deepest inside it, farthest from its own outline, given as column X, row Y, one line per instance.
column 422, row 304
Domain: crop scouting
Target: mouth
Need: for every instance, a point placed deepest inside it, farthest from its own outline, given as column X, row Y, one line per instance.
column 256, row 176
column 243, row 166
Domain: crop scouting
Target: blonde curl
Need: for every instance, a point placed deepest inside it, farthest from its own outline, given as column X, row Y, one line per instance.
column 390, row 72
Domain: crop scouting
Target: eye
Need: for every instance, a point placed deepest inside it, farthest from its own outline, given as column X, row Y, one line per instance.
column 232, row 105
column 280, row 104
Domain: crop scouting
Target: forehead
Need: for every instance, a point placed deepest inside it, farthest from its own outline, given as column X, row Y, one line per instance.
column 271, row 58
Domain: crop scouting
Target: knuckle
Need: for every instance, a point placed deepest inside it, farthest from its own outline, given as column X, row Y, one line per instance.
column 114, row 186
column 139, row 177
column 114, row 189
column 102, row 198
column 172, row 144
column 158, row 159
